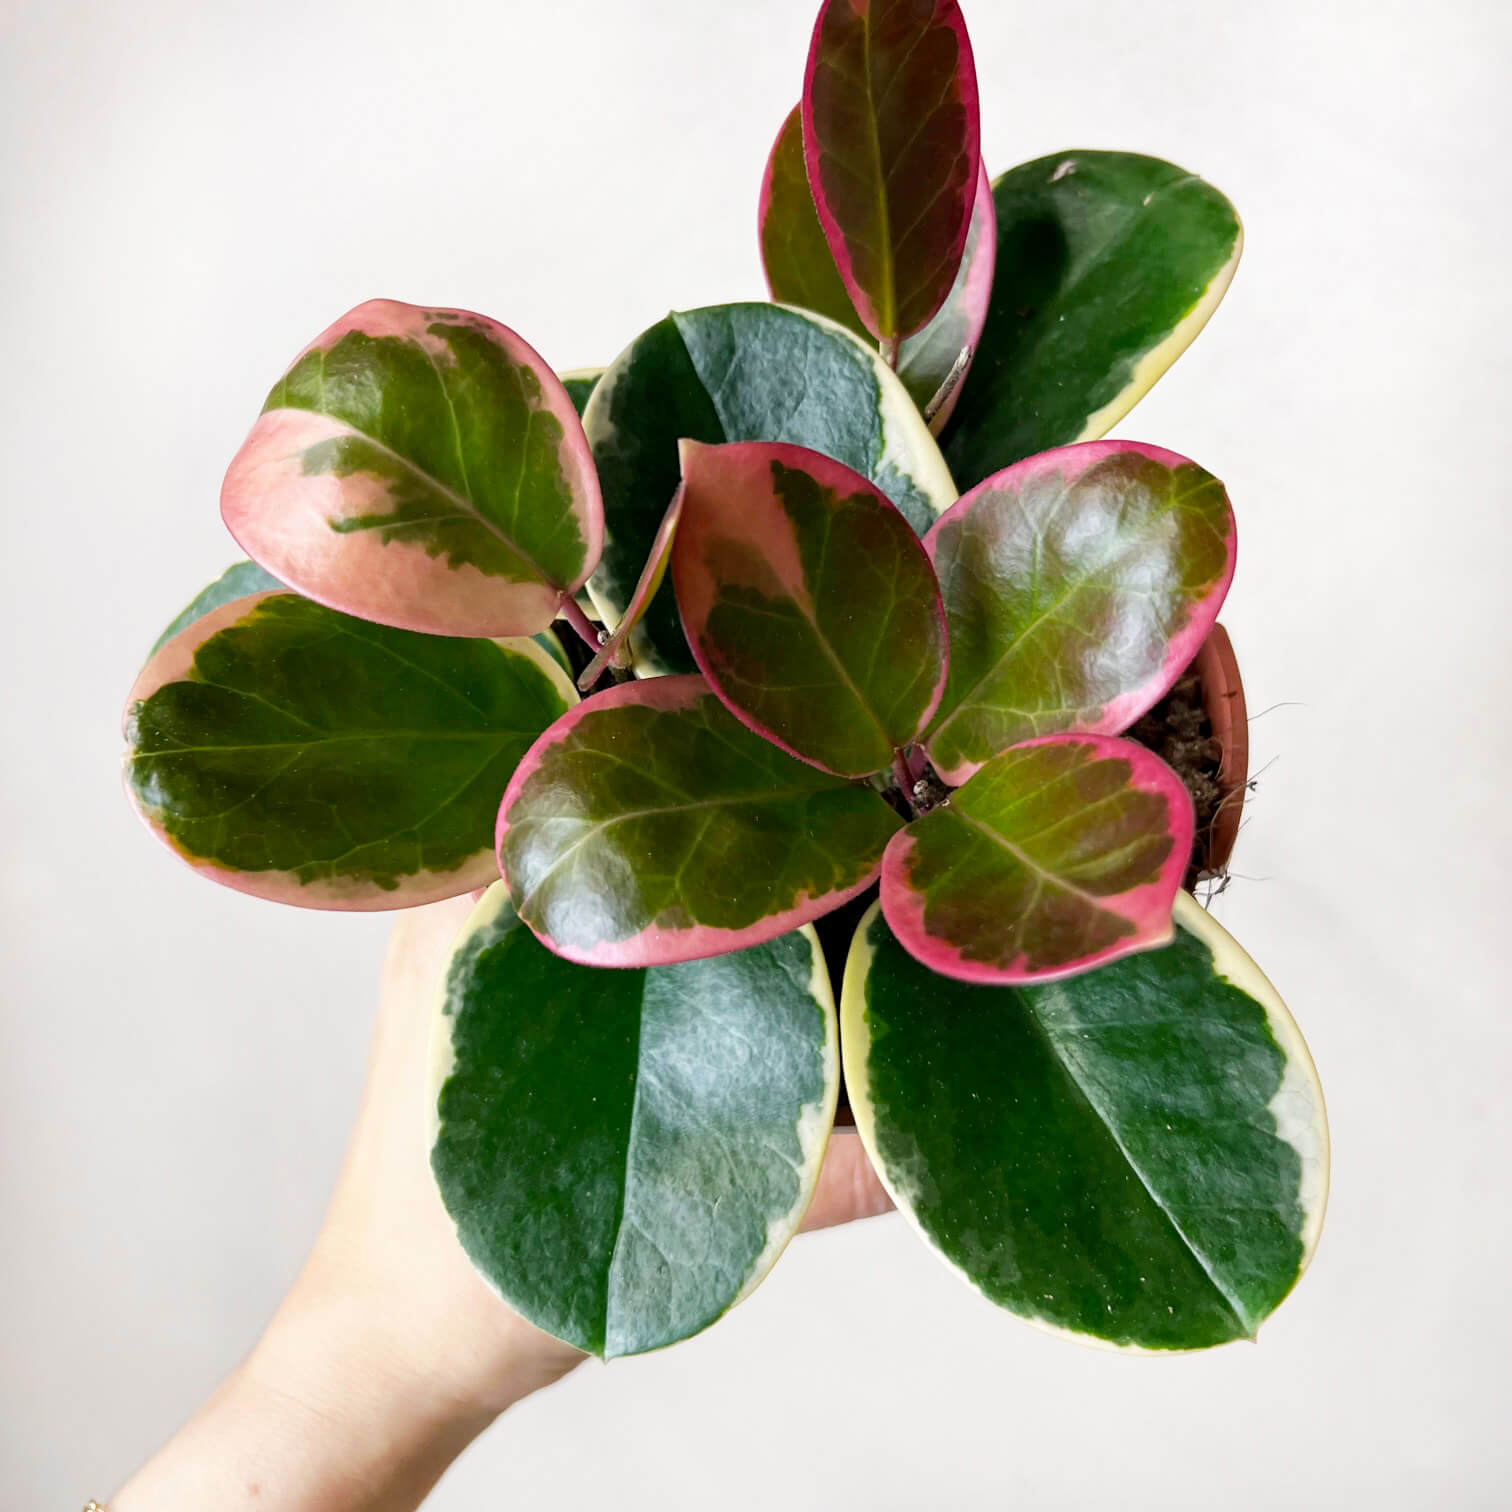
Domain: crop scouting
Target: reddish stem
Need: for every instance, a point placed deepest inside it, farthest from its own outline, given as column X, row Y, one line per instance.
column 580, row 622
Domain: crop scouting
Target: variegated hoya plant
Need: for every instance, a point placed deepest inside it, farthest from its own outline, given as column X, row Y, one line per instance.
column 818, row 673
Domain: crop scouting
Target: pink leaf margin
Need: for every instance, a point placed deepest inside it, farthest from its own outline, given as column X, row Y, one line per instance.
column 976, row 292
column 656, row 946
column 174, row 662
column 1146, row 907
column 694, row 590
column 281, row 516
column 1071, row 462
column 947, row 13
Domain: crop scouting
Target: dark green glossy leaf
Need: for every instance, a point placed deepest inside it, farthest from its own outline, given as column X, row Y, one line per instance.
column 800, row 271
column 748, row 372
column 1138, row 1155
column 1078, row 584
column 809, row 603
column 626, row 1153
column 580, row 386
column 301, row 755
column 421, row 468
column 237, row 581
column 891, row 141
column 1059, row 855
column 649, row 825
column 1108, row 265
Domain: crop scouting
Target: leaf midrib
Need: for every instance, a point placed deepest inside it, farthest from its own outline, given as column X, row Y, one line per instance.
column 465, row 504
column 598, row 827
column 969, row 698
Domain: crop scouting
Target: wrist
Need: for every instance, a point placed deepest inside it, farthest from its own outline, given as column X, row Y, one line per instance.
column 327, row 1414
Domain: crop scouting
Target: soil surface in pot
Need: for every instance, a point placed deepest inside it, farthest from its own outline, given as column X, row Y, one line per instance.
column 1178, row 730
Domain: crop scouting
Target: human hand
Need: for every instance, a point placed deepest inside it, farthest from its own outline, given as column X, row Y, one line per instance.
column 390, row 1353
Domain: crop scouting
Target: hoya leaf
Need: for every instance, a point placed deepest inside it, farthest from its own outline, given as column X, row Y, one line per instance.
column 301, row 755
column 745, row 372
column 795, row 255
column 808, row 602
column 580, row 385
column 1108, row 265
column 891, row 139
column 1137, row 1156
column 626, row 1153
column 1078, row 584
column 1059, row 855
column 944, row 351
column 237, row 581
column 424, row 469
column 649, row 826
column 615, row 649
column 800, row 271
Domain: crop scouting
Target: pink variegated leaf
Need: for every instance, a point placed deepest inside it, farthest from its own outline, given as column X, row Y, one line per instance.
column 809, row 603
column 800, row 270
column 1059, row 855
column 1078, row 584
column 648, row 825
column 305, row 756
column 616, row 650
column 424, row 469
column 891, row 138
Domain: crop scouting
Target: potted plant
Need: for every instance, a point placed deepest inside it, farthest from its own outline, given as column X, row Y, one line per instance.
column 865, row 607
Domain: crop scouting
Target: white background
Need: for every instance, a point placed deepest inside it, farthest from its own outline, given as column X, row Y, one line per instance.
column 190, row 190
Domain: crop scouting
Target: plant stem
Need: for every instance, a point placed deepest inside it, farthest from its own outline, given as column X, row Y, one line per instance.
column 903, row 777
column 888, row 346
column 581, row 623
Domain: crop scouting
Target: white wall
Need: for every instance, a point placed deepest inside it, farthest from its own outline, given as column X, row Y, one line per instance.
column 189, row 190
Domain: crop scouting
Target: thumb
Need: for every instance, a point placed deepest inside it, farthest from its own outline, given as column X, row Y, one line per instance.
column 848, row 1187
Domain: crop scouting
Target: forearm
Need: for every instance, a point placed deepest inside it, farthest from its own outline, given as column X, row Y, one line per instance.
column 321, row 1417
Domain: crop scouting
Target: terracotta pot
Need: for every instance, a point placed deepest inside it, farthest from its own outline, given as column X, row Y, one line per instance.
column 1217, row 672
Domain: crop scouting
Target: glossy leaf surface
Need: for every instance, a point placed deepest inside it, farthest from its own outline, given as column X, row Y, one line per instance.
column 580, row 385
column 809, row 603
column 616, row 649
column 308, row 757
column 1108, row 265
column 649, row 825
column 626, row 1153
column 747, row 372
column 1077, row 585
column 1136, row 1156
column 424, row 469
column 801, row 271
column 237, row 581
column 891, row 141
column 1059, row 855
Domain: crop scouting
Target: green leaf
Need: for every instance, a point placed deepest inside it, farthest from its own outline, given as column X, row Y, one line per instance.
column 1059, row 855
column 1108, row 265
column 891, row 141
column 424, row 469
column 1078, row 585
column 746, row 372
column 1138, row 1155
column 580, row 386
column 800, row 271
column 648, row 825
column 301, row 755
column 626, row 1153
column 809, row 603
column 237, row 581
